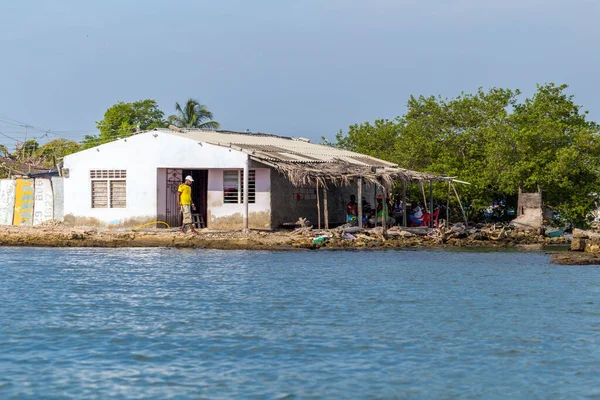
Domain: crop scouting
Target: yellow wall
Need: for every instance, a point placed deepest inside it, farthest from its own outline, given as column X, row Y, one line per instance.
column 24, row 202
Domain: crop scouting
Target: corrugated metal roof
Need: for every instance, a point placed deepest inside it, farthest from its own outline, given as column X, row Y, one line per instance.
column 279, row 148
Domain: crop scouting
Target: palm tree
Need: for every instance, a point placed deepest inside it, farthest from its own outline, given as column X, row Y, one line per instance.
column 193, row 115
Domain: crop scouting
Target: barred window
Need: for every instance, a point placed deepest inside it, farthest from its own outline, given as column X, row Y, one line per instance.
column 109, row 188
column 233, row 187
column 108, row 174
column 305, row 193
column 99, row 194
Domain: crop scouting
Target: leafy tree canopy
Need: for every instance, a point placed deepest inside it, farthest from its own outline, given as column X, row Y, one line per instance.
column 123, row 119
column 26, row 150
column 497, row 143
column 53, row 151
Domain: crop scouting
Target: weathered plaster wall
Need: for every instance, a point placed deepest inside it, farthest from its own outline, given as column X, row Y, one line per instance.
column 71, row 220
column 7, row 201
column 287, row 207
column 59, row 198
column 529, row 201
column 161, row 193
column 529, row 211
column 141, row 156
column 43, row 204
column 47, row 200
column 229, row 216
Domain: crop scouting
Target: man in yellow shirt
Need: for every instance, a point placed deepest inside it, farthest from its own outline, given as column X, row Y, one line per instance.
column 185, row 203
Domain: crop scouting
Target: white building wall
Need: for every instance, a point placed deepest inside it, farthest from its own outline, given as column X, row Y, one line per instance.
column 141, row 156
column 229, row 216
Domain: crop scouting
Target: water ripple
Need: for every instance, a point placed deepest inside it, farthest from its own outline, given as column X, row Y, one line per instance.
column 156, row 323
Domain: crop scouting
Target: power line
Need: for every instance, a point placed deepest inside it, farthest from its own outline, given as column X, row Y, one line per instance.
column 11, row 121
column 58, row 133
column 12, row 138
column 46, row 130
column 93, row 139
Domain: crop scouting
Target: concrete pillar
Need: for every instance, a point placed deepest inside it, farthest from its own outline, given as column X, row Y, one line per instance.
column 246, row 192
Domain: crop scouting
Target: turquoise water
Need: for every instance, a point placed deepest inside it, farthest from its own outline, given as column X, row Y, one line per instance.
column 156, row 323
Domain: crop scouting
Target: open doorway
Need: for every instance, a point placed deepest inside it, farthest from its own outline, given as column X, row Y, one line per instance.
column 199, row 190
column 172, row 179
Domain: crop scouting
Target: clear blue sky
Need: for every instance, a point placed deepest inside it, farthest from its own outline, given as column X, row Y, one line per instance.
column 301, row 68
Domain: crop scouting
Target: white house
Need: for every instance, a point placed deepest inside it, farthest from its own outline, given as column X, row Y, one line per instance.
column 134, row 180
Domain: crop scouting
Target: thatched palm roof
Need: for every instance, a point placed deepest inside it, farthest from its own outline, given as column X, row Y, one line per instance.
column 343, row 174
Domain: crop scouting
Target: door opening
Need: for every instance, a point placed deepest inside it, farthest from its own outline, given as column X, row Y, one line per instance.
column 175, row 177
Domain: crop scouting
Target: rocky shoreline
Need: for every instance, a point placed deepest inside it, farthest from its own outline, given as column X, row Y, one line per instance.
column 304, row 238
column 585, row 250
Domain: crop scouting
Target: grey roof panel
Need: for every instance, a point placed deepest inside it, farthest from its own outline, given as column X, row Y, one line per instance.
column 278, row 148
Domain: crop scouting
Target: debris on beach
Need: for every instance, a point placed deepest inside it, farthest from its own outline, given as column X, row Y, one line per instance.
column 305, row 236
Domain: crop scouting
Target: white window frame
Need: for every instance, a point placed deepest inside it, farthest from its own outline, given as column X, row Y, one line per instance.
column 240, row 186
column 109, row 176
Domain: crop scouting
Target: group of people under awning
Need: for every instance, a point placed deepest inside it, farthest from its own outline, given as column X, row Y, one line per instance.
column 374, row 216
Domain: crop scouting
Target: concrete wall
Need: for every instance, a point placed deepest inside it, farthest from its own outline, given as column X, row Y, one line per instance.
column 43, row 205
column 161, row 193
column 141, row 156
column 529, row 201
column 46, row 201
column 288, row 202
column 229, row 216
column 7, row 201
column 59, row 198
column 529, row 211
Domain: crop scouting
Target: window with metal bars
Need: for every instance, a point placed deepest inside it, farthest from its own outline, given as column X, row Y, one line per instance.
column 108, row 174
column 233, row 187
column 305, row 193
column 109, row 188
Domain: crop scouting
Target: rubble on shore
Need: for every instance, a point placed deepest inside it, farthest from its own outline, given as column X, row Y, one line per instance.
column 585, row 249
column 346, row 237
column 457, row 235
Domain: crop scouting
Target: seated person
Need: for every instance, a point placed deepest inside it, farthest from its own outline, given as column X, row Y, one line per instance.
column 352, row 209
column 379, row 214
column 416, row 215
column 398, row 206
column 397, row 209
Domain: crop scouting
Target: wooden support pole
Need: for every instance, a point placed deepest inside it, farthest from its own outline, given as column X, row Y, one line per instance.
column 318, row 206
column 360, row 203
column 542, row 208
column 375, row 203
column 384, row 210
column 325, row 208
column 404, row 216
column 460, row 204
column 448, row 204
column 424, row 197
column 431, row 203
